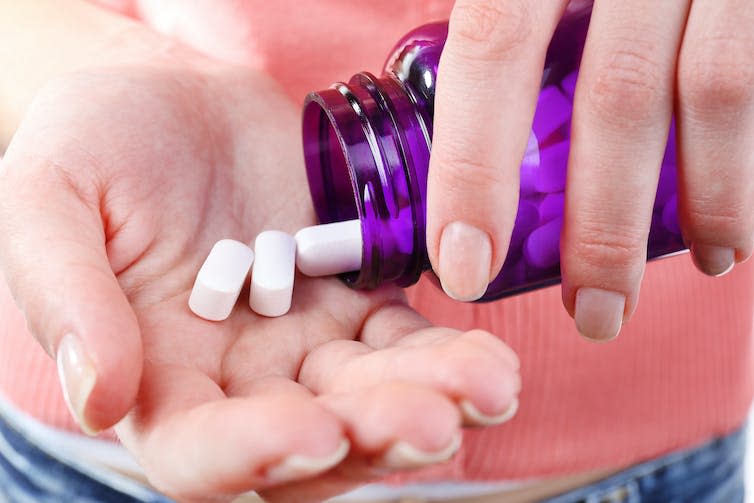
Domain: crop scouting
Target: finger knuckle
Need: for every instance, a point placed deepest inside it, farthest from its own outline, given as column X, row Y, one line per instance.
column 710, row 221
column 69, row 179
column 491, row 343
column 491, row 29
column 30, row 178
column 629, row 85
column 54, row 176
column 611, row 246
column 469, row 366
column 719, row 74
column 467, row 174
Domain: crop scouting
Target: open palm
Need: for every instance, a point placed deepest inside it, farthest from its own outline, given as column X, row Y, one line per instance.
column 115, row 188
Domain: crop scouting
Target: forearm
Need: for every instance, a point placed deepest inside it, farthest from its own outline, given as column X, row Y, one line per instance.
column 42, row 39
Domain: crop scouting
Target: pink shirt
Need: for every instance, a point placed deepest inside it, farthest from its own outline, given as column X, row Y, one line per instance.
column 680, row 373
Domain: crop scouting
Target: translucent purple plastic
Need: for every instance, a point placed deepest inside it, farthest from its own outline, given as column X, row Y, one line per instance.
column 367, row 144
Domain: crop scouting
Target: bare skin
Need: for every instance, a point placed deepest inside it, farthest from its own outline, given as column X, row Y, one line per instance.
column 115, row 187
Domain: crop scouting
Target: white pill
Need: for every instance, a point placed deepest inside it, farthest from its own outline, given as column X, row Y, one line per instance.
column 272, row 276
column 220, row 280
column 323, row 250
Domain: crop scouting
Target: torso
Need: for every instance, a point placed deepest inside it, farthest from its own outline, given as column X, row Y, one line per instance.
column 680, row 372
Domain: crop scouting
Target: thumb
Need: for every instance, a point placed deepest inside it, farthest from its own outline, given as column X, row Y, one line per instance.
column 52, row 254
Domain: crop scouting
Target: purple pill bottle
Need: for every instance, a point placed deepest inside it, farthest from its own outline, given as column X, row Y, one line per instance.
column 367, row 144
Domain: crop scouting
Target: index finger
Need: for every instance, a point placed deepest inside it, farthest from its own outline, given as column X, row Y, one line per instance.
column 488, row 81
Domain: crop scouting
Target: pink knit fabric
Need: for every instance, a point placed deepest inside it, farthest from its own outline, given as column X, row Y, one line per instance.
column 680, row 372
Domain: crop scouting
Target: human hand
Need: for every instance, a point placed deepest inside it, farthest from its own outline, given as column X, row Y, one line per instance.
column 642, row 61
column 113, row 190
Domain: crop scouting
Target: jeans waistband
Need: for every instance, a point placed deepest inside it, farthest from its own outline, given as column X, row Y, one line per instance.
column 710, row 473
column 30, row 474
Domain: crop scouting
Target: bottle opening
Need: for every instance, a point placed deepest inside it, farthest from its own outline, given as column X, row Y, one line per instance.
column 330, row 183
column 330, row 135
column 359, row 165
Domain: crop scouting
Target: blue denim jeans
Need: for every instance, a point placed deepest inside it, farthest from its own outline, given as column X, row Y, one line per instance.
column 710, row 473
column 28, row 474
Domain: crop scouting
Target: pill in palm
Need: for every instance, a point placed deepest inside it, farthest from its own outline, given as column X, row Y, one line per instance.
column 324, row 250
column 220, row 280
column 273, row 273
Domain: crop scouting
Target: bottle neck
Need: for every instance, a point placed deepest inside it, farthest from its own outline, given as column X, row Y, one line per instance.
column 366, row 147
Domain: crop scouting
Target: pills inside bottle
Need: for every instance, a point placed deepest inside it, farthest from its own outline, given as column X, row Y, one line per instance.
column 367, row 144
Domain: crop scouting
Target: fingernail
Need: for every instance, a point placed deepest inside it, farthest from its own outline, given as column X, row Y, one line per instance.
column 297, row 467
column 472, row 415
column 599, row 313
column 77, row 377
column 465, row 261
column 713, row 260
column 404, row 456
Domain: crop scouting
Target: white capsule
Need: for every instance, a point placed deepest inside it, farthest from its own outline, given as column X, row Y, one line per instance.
column 323, row 250
column 272, row 276
column 220, row 279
